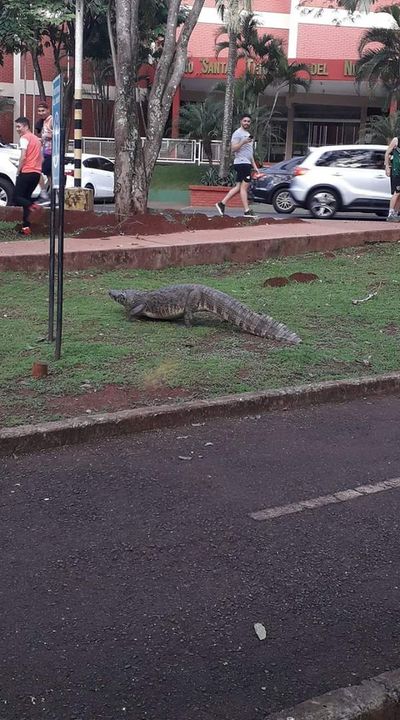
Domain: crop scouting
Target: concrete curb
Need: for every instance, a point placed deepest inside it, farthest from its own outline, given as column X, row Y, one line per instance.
column 160, row 256
column 29, row 438
column 375, row 699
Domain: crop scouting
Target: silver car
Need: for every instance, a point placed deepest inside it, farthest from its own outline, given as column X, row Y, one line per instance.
column 342, row 178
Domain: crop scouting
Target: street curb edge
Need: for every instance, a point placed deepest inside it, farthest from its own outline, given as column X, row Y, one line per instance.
column 29, row 438
column 375, row 699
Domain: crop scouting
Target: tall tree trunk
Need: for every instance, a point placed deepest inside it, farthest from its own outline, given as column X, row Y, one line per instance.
column 130, row 195
column 38, row 73
column 134, row 163
column 228, row 106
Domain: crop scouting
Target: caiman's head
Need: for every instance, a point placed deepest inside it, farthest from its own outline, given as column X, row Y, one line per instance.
column 127, row 298
column 118, row 296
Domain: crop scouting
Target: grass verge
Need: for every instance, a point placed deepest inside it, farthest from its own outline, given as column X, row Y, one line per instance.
column 108, row 363
column 176, row 177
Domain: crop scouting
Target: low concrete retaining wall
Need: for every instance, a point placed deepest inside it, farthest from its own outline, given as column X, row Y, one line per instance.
column 375, row 699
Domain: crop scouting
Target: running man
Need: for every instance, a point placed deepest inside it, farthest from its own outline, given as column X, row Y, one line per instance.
column 29, row 170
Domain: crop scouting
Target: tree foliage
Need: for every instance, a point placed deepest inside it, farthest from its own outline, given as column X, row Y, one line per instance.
column 381, row 129
column 379, row 51
column 202, row 121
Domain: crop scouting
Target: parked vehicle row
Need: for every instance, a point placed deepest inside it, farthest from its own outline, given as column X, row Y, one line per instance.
column 272, row 185
column 97, row 174
column 330, row 179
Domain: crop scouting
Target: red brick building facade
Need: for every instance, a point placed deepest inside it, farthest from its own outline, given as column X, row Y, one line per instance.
column 324, row 37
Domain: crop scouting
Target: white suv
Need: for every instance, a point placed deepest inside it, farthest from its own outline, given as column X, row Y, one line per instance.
column 9, row 159
column 342, row 178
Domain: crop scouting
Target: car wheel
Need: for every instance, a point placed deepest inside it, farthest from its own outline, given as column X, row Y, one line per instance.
column 283, row 202
column 323, row 203
column 89, row 186
column 6, row 192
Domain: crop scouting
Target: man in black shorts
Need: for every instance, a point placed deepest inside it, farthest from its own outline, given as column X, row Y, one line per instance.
column 242, row 148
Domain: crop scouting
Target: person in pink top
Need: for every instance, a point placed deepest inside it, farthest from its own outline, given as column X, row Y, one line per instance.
column 29, row 171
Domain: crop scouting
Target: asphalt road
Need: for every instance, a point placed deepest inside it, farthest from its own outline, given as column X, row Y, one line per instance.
column 132, row 576
column 259, row 209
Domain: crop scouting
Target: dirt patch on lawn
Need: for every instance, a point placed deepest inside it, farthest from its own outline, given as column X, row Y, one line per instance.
column 112, row 398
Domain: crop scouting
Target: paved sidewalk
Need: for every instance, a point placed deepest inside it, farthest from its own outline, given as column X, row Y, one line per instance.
column 240, row 244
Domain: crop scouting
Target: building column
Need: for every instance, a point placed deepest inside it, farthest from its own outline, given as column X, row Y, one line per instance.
column 289, row 131
column 176, row 106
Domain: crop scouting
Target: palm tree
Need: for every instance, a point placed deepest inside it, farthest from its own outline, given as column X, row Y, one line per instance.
column 274, row 71
column 232, row 13
column 381, row 129
column 379, row 51
column 202, row 121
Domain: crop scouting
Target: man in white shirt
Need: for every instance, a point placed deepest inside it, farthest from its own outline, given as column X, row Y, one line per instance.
column 242, row 148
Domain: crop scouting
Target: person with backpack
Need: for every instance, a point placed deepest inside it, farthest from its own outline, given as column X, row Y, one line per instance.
column 392, row 169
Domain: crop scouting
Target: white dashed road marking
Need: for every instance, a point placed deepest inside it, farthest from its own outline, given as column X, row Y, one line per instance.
column 314, row 503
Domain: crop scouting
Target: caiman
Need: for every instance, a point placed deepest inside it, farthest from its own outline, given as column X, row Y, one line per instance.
column 177, row 301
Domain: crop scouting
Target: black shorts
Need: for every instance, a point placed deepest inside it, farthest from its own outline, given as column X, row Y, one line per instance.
column 243, row 172
column 46, row 166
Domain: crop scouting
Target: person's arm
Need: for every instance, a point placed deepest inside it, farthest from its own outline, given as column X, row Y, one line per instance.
column 23, row 145
column 388, row 153
column 237, row 144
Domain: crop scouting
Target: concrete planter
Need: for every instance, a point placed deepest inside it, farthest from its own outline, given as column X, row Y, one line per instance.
column 208, row 195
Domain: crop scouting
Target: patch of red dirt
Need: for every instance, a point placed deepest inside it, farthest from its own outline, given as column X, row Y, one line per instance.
column 112, row 398
column 92, row 225
column 275, row 282
column 301, row 277
column 391, row 329
column 329, row 255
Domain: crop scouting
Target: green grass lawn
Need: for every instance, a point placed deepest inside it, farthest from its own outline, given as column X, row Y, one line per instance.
column 158, row 360
column 8, row 232
column 176, row 177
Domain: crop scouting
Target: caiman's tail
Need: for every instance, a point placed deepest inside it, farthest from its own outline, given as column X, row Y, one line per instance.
column 247, row 320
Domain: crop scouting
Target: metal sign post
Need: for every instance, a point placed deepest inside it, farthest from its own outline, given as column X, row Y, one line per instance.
column 57, row 216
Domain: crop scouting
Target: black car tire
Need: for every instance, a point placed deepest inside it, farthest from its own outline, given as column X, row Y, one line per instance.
column 89, row 186
column 323, row 203
column 6, row 192
column 283, row 202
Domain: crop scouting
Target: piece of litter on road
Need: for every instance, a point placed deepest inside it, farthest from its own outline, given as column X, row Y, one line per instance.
column 197, row 424
column 182, row 457
column 207, row 444
column 260, row 631
column 182, row 437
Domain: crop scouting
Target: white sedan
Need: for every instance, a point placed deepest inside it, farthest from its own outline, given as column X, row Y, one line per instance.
column 97, row 174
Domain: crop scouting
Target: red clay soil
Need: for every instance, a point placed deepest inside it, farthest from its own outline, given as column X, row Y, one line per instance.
column 302, row 277
column 112, row 398
column 91, row 224
column 276, row 282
